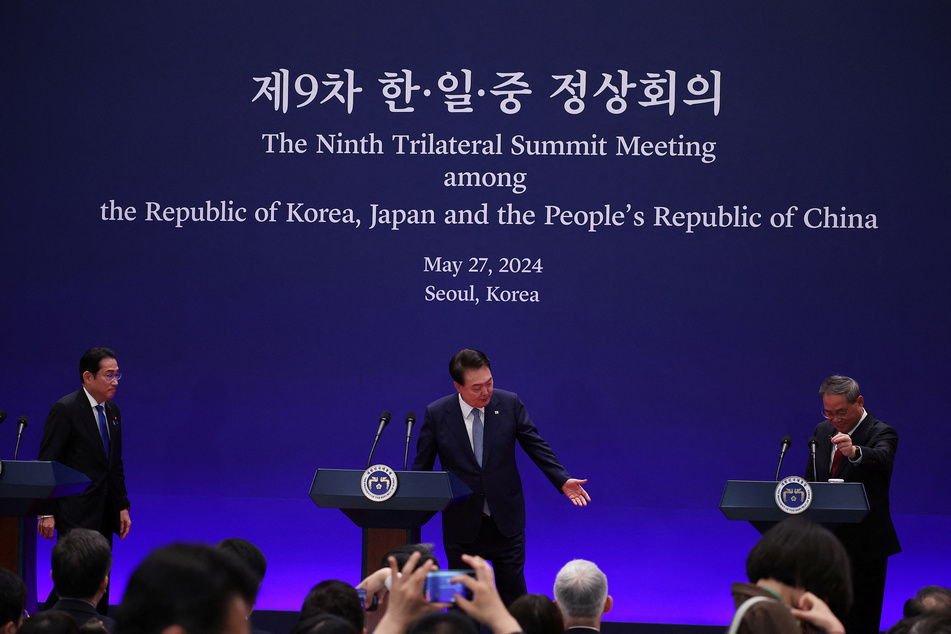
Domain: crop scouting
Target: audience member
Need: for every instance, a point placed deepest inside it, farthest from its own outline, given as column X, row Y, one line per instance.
column 254, row 560
column 324, row 624
column 81, row 562
column 798, row 571
column 187, row 589
column 928, row 600
column 407, row 604
column 50, row 622
column 12, row 601
column 581, row 593
column 334, row 597
column 537, row 614
column 451, row 622
column 376, row 585
column 932, row 623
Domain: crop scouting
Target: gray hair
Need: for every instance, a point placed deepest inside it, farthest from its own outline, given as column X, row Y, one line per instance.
column 581, row 589
column 839, row 384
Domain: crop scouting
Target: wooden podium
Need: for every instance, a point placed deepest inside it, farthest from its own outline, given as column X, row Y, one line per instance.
column 27, row 489
column 393, row 522
column 833, row 503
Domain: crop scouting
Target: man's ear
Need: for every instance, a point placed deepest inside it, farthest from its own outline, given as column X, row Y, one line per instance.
column 9, row 627
column 608, row 604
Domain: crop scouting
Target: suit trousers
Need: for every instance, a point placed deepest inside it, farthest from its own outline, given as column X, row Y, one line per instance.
column 507, row 555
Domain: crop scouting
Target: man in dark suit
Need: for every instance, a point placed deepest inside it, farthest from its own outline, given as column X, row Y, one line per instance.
column 84, row 432
column 581, row 593
column 853, row 446
column 473, row 433
column 81, row 563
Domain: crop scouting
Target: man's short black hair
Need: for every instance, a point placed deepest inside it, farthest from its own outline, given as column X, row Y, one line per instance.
column 467, row 359
column 802, row 554
column 324, row 624
column 92, row 358
column 191, row 585
column 928, row 600
column 12, row 597
column 248, row 553
column 334, row 597
column 81, row 560
column 50, row 622
column 404, row 552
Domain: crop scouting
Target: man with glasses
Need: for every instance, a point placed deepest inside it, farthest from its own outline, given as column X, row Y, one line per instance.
column 853, row 446
column 83, row 431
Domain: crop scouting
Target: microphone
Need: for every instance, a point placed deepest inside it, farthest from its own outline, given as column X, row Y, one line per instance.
column 410, row 421
column 384, row 421
column 812, row 456
column 3, row 415
column 21, row 425
column 787, row 441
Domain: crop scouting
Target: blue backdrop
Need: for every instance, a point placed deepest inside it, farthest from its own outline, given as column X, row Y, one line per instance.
column 707, row 209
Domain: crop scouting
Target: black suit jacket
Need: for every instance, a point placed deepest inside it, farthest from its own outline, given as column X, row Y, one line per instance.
column 444, row 435
column 874, row 537
column 82, row 611
column 71, row 436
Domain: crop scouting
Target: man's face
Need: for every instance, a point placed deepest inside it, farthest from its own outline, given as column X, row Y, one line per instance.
column 100, row 385
column 477, row 389
column 842, row 414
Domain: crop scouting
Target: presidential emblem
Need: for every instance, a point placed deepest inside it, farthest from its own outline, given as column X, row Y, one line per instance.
column 378, row 483
column 793, row 495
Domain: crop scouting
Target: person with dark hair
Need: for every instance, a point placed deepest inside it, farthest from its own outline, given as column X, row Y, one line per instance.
column 537, row 614
column 473, row 433
column 928, row 600
column 323, row 624
column 253, row 559
column 83, row 431
column 376, row 584
column 581, row 593
column 334, row 597
column 81, row 562
column 12, row 601
column 854, row 446
column 50, row 622
column 799, row 579
column 187, row 589
column 450, row 622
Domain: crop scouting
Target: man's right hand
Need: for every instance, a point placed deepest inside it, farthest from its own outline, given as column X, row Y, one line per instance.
column 46, row 526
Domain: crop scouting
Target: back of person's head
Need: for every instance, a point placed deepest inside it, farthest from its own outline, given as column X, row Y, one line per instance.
column 12, row 600
column 581, row 590
column 451, row 622
column 403, row 553
column 927, row 600
column 802, row 554
column 324, row 624
column 49, row 622
column 537, row 614
column 81, row 560
column 334, row 597
column 192, row 586
column 932, row 623
column 249, row 554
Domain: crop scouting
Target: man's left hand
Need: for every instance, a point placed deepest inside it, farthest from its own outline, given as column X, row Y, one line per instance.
column 575, row 492
column 125, row 523
column 844, row 444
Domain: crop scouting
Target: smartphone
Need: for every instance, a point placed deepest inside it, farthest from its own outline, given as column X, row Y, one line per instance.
column 363, row 597
column 440, row 590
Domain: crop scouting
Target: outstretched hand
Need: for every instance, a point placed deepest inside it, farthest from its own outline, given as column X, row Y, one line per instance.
column 575, row 492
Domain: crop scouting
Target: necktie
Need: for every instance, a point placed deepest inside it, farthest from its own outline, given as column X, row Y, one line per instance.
column 478, row 432
column 102, row 429
column 835, row 462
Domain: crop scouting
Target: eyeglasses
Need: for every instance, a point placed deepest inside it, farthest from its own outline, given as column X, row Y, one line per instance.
column 113, row 376
column 836, row 414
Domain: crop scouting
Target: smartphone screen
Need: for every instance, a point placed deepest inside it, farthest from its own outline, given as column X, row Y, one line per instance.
column 440, row 590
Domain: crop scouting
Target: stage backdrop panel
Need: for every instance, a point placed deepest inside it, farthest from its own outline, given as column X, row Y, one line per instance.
column 665, row 222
